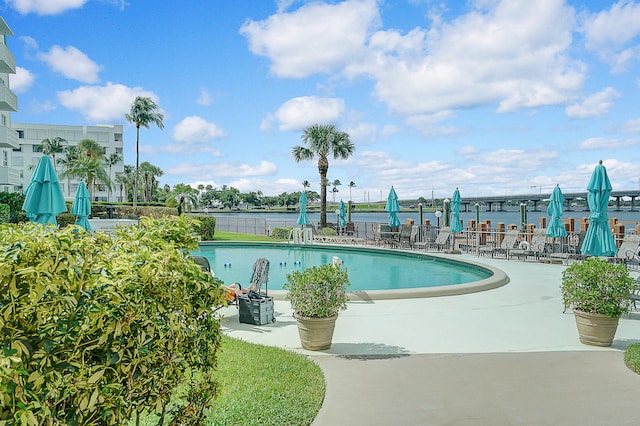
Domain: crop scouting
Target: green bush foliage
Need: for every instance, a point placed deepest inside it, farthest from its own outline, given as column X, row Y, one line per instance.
column 318, row 292
column 15, row 201
column 65, row 219
column 280, row 233
column 5, row 213
column 95, row 329
column 330, row 232
column 206, row 227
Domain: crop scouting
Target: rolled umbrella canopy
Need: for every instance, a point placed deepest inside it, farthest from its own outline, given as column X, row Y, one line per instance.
column 43, row 196
column 523, row 215
column 556, row 207
column 303, row 219
column 456, row 225
column 599, row 240
column 392, row 207
column 81, row 207
column 342, row 216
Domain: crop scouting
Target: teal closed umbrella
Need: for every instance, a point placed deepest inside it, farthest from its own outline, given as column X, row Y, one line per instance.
column 342, row 216
column 302, row 217
column 82, row 206
column 43, row 196
column 456, row 225
column 556, row 207
column 392, row 207
column 599, row 240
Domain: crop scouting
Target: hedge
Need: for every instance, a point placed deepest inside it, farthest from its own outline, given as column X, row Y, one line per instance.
column 95, row 329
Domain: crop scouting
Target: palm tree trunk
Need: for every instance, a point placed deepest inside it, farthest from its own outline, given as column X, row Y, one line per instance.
column 323, row 200
column 135, row 184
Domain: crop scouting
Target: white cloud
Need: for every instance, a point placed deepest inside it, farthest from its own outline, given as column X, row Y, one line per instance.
column 221, row 171
column 513, row 53
column 316, row 38
column 595, row 105
column 196, row 129
column 608, row 32
column 204, row 98
column 72, row 63
column 298, row 113
column 29, row 42
column 604, row 143
column 429, row 124
column 22, row 80
column 102, row 103
column 45, row 7
column 631, row 126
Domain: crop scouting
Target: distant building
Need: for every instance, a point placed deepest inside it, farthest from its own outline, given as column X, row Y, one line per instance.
column 30, row 137
column 20, row 143
column 10, row 178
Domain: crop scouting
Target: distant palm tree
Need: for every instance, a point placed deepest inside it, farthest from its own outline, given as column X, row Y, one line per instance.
column 68, row 162
column 111, row 161
column 53, row 146
column 143, row 113
column 91, row 165
column 149, row 173
column 306, row 184
column 336, row 183
column 352, row 184
column 126, row 181
column 323, row 141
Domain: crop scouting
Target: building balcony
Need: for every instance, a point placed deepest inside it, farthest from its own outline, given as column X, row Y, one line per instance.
column 8, row 100
column 7, row 60
column 10, row 176
column 8, row 138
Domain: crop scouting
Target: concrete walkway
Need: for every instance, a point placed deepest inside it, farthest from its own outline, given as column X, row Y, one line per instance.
column 500, row 357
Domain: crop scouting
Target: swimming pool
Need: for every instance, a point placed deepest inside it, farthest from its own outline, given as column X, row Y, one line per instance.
column 377, row 272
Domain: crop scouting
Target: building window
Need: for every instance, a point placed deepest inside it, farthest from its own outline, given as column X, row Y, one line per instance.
column 5, row 158
column 37, row 148
column 20, row 134
column 4, row 120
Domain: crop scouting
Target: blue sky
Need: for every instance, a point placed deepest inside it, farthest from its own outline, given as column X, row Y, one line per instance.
column 493, row 97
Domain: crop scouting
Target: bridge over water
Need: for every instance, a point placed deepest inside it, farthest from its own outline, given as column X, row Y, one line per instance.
column 500, row 201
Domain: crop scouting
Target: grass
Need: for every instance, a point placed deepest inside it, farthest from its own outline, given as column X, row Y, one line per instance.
column 232, row 236
column 262, row 385
column 632, row 357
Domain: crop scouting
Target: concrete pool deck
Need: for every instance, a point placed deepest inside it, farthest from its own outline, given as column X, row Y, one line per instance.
column 503, row 356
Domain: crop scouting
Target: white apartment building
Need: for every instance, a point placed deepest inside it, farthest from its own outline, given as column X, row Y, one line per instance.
column 20, row 143
column 10, row 178
column 30, row 137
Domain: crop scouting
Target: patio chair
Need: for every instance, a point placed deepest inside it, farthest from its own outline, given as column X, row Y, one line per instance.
column 536, row 248
column 508, row 243
column 628, row 251
column 405, row 235
column 442, row 240
column 573, row 249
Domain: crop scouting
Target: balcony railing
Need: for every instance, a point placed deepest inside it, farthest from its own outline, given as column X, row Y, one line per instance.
column 9, row 176
column 8, row 100
column 8, row 138
column 7, row 61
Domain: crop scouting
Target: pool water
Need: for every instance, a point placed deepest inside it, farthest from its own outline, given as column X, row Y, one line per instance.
column 369, row 269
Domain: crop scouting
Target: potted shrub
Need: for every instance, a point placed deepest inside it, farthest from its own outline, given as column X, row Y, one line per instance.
column 317, row 294
column 599, row 293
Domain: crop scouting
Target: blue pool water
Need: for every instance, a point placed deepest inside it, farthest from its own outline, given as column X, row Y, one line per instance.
column 368, row 269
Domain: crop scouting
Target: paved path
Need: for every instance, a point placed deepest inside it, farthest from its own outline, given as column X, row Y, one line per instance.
column 501, row 357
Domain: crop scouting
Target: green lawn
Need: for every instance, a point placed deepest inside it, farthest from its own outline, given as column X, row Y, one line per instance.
column 233, row 236
column 632, row 357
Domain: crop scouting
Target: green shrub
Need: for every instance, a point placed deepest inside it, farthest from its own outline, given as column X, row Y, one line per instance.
column 206, row 227
column 15, row 201
column 330, row 232
column 5, row 213
column 318, row 292
column 280, row 233
column 65, row 219
column 95, row 329
column 632, row 357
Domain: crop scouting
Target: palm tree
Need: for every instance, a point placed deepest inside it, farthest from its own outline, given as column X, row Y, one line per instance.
column 352, row 184
column 52, row 146
column 143, row 113
column 111, row 161
column 322, row 141
column 126, row 181
column 90, row 164
column 149, row 173
column 185, row 194
column 306, row 184
column 336, row 183
column 68, row 162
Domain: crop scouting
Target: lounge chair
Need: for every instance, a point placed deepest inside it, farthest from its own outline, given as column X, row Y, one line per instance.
column 628, row 251
column 442, row 240
column 572, row 250
column 405, row 235
column 536, row 248
column 508, row 243
column 230, row 293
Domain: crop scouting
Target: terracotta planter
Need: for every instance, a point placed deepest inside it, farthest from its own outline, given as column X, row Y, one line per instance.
column 316, row 333
column 595, row 329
